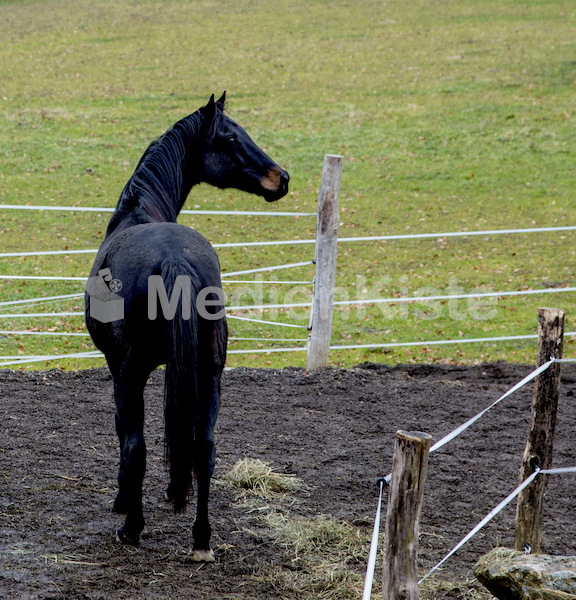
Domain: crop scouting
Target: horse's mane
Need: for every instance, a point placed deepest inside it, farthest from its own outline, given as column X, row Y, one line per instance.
column 158, row 182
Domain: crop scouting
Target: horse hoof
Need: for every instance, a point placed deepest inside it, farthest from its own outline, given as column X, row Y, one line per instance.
column 202, row 556
column 127, row 538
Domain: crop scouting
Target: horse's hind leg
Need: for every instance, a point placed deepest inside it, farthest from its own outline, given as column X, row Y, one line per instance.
column 204, row 459
column 128, row 393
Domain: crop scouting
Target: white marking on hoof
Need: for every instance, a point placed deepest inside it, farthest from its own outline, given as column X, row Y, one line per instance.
column 202, row 556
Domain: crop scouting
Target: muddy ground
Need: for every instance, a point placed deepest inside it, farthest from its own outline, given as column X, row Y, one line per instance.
column 333, row 428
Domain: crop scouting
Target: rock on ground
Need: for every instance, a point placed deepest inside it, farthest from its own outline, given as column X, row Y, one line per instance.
column 511, row 575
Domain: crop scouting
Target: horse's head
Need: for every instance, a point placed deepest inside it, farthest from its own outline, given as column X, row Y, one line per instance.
column 232, row 159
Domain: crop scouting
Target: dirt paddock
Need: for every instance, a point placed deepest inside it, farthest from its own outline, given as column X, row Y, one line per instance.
column 333, row 428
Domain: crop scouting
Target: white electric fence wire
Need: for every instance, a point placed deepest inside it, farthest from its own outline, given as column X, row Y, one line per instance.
column 311, row 318
column 263, row 244
column 20, row 357
column 46, row 253
column 485, row 520
column 558, row 471
column 15, row 360
column 290, row 214
column 270, row 306
column 19, row 360
column 43, row 277
column 42, row 299
column 28, row 304
column 258, row 213
column 423, row 236
column 337, row 303
column 95, row 250
column 78, row 314
column 84, row 279
column 261, row 339
column 265, row 322
column 268, row 282
column 470, row 422
column 497, row 509
column 49, row 333
column 64, row 333
column 415, row 299
column 268, row 243
column 505, row 338
column 340, row 240
column 454, row 296
column 299, row 214
column 264, row 269
column 35, row 315
column 80, row 334
column 373, row 550
column 247, row 213
column 267, row 350
column 510, row 338
column 456, row 432
column 354, row 302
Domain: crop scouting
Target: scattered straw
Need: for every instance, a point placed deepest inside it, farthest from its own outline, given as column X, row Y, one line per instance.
column 68, row 559
column 328, row 556
column 336, row 540
column 325, row 558
column 438, row 589
column 330, row 582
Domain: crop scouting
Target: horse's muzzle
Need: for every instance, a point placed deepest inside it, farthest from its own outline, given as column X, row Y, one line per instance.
column 275, row 184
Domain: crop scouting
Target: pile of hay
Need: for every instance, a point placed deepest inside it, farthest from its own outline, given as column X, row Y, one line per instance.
column 257, row 477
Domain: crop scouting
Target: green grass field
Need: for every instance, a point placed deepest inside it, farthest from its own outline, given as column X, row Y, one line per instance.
column 451, row 116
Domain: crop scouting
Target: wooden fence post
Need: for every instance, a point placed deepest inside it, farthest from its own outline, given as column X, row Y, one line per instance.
column 326, row 252
column 539, row 446
column 409, row 464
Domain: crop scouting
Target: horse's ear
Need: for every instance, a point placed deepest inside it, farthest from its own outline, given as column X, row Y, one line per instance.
column 210, row 108
column 222, row 99
column 211, row 114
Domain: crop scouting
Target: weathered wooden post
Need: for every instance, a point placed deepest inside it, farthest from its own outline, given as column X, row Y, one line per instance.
column 409, row 464
column 540, row 443
column 326, row 252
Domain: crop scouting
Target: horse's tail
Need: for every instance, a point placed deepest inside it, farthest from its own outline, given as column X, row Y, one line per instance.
column 181, row 384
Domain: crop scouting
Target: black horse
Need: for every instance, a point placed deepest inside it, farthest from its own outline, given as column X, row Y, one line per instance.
column 147, row 262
